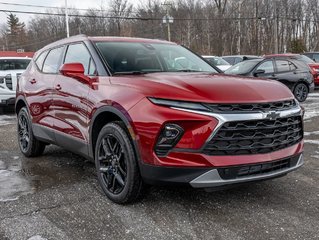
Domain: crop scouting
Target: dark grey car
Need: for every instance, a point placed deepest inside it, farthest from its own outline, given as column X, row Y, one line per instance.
column 293, row 73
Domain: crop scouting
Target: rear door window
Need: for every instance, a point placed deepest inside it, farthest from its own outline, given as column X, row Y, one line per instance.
column 52, row 61
column 285, row 66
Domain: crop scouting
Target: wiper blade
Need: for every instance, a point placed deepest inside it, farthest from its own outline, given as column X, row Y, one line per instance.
column 135, row 72
column 187, row 70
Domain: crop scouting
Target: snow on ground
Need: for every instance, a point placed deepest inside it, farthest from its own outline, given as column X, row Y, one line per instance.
column 311, row 141
column 311, row 133
column 7, row 119
column 311, row 106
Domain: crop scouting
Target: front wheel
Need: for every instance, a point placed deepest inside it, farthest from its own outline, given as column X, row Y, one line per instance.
column 116, row 164
column 28, row 144
column 301, row 92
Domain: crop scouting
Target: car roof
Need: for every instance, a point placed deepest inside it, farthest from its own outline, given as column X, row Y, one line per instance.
column 207, row 56
column 254, row 56
column 83, row 37
column 282, row 55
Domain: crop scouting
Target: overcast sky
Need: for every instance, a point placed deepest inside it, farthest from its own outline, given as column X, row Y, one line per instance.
column 50, row 3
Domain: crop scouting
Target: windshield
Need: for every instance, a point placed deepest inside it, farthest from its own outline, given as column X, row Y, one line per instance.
column 306, row 59
column 13, row 64
column 217, row 61
column 242, row 67
column 132, row 57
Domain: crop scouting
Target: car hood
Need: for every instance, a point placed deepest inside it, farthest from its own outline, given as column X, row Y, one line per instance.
column 202, row 87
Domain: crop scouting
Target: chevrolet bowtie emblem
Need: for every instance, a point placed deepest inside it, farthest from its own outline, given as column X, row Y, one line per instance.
column 272, row 115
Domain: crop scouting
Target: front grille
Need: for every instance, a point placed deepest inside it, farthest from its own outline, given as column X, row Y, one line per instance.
column 251, row 107
column 255, row 136
column 257, row 169
column 8, row 80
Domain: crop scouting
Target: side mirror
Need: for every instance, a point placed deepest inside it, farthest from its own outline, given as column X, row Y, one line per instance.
column 258, row 72
column 74, row 70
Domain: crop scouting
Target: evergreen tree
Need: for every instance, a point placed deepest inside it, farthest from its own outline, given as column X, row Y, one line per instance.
column 15, row 32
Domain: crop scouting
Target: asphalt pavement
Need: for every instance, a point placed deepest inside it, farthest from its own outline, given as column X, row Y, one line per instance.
column 57, row 196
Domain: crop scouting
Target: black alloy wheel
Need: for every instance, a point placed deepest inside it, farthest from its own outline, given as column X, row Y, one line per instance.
column 23, row 133
column 301, row 92
column 29, row 145
column 116, row 164
column 113, row 164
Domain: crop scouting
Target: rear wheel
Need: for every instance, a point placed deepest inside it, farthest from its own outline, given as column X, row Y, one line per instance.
column 28, row 144
column 301, row 92
column 116, row 164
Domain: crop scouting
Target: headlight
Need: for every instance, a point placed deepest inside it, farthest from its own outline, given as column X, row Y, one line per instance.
column 179, row 104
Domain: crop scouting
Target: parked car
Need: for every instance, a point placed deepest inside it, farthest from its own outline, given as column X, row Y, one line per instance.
column 10, row 69
column 152, row 112
column 293, row 73
column 313, row 56
column 234, row 59
column 313, row 65
column 218, row 62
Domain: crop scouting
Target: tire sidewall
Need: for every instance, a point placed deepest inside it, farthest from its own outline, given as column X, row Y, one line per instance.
column 23, row 111
column 122, row 137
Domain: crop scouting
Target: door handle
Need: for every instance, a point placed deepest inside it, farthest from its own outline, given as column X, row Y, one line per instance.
column 58, row 87
column 33, row 81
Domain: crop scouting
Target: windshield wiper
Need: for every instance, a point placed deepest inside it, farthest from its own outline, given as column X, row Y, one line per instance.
column 187, row 70
column 135, row 72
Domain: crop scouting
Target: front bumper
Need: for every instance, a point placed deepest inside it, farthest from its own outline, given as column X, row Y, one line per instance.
column 213, row 177
column 7, row 102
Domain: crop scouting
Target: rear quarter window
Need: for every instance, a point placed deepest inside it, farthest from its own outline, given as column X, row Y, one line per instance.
column 53, row 60
column 40, row 59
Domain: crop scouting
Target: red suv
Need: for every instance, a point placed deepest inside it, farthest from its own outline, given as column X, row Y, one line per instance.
column 152, row 112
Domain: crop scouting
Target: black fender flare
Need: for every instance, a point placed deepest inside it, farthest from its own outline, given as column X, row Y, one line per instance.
column 124, row 116
column 18, row 99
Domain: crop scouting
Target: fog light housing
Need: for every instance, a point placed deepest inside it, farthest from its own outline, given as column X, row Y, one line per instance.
column 168, row 138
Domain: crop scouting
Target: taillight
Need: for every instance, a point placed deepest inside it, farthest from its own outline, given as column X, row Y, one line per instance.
column 313, row 71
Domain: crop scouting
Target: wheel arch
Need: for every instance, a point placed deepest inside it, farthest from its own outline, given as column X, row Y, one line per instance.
column 304, row 81
column 20, row 103
column 107, row 114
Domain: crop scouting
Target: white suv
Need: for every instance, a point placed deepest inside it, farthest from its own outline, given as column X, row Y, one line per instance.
column 10, row 70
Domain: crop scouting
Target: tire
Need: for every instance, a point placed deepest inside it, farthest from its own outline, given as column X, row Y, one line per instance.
column 301, row 92
column 116, row 164
column 28, row 144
